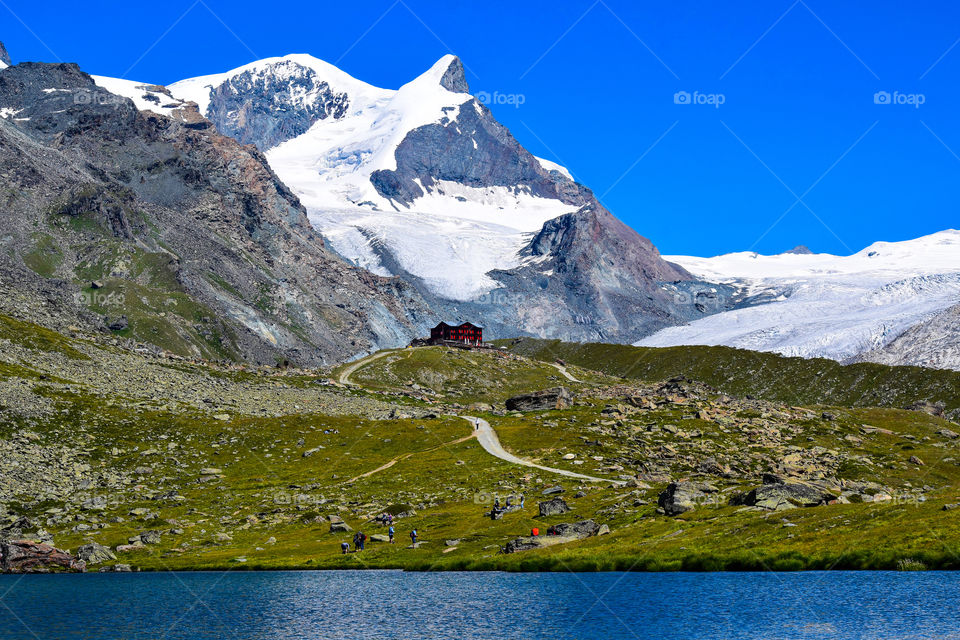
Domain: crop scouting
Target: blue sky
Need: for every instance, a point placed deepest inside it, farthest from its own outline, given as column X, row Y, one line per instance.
column 799, row 151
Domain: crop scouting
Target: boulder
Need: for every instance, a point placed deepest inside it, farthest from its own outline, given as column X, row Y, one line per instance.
column 553, row 507
column 552, row 491
column 680, row 497
column 379, row 537
column 339, row 527
column 26, row 556
column 150, row 537
column 120, row 324
column 95, row 553
column 778, row 494
column 556, row 398
column 579, row 530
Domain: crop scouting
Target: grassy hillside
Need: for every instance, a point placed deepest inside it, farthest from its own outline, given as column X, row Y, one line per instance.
column 765, row 375
column 244, row 468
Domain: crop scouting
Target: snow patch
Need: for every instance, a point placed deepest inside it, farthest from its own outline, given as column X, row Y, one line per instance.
column 553, row 166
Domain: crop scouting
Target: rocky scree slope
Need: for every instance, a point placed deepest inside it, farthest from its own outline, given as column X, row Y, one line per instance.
column 166, row 231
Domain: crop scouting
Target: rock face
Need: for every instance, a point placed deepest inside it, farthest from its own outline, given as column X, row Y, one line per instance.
column 266, row 107
column 553, row 507
column 680, row 497
column 546, row 400
column 778, row 494
column 24, row 556
column 4, row 56
column 205, row 252
column 588, row 275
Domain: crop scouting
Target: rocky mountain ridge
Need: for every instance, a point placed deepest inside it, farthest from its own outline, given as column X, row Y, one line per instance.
column 174, row 233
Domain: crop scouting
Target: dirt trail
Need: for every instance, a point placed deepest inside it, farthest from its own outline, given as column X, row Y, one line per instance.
column 491, row 444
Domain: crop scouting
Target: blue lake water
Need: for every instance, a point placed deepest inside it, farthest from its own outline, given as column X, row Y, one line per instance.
column 391, row 605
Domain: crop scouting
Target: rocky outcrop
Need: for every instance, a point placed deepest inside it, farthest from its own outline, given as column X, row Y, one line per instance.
column 778, row 494
column 268, row 106
column 4, row 56
column 546, row 400
column 25, row 556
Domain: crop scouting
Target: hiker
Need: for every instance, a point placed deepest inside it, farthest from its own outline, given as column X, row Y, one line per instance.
column 521, row 501
column 344, row 547
column 363, row 539
column 496, row 503
column 413, row 537
column 391, row 532
column 356, row 542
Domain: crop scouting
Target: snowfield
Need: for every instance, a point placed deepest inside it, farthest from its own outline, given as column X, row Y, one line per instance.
column 824, row 305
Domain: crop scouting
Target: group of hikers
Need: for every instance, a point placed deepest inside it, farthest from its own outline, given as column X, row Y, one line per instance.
column 360, row 538
column 497, row 512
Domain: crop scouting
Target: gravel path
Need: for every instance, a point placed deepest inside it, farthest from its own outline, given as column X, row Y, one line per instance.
column 491, row 444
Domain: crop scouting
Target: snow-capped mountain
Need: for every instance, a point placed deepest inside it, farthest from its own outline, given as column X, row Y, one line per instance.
column 423, row 183
column 889, row 303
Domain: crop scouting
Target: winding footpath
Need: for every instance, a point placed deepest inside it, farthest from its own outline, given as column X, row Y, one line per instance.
column 350, row 369
column 563, row 370
column 488, row 439
column 482, row 431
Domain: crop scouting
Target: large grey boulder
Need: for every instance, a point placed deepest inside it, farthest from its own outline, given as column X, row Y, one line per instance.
column 556, row 398
column 553, row 507
column 95, row 553
column 680, row 497
column 582, row 529
column 337, row 525
column 779, row 494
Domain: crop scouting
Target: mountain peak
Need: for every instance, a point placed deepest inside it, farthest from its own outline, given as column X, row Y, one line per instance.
column 4, row 56
column 800, row 250
column 454, row 78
